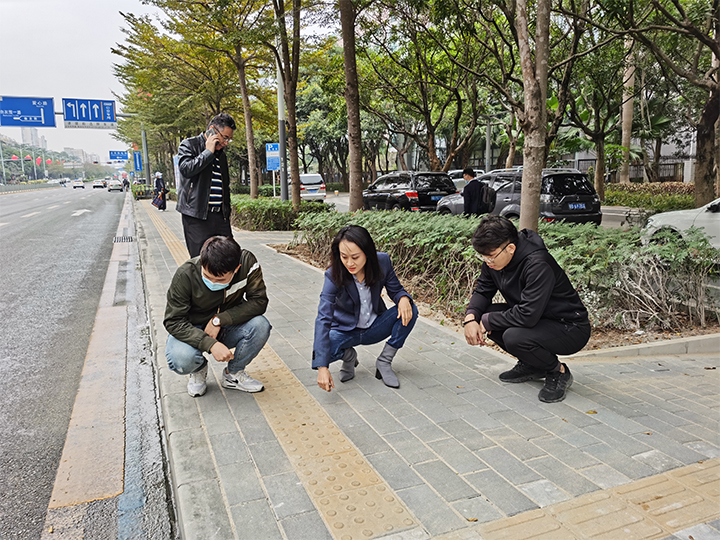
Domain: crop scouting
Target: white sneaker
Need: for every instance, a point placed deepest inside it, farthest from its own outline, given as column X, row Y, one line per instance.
column 197, row 385
column 241, row 381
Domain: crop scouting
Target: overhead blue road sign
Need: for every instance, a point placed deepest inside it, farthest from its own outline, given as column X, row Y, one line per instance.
column 89, row 113
column 137, row 156
column 272, row 156
column 118, row 154
column 27, row 111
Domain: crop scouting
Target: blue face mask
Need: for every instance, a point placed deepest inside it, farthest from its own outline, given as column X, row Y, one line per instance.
column 214, row 286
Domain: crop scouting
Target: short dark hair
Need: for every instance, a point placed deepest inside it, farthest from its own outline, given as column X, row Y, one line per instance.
column 469, row 171
column 220, row 255
column 223, row 120
column 492, row 233
column 361, row 238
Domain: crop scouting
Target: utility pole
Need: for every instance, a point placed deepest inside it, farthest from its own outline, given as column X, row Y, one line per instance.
column 146, row 158
column 281, row 133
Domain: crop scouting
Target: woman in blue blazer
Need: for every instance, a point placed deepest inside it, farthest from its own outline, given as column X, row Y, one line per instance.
column 352, row 313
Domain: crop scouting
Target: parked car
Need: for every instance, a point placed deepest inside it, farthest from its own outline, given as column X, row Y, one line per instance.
column 406, row 190
column 312, row 187
column 98, row 184
column 115, row 185
column 78, row 184
column 459, row 180
column 565, row 195
column 678, row 222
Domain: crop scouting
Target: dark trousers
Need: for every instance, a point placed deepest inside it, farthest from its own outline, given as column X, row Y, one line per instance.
column 539, row 346
column 197, row 231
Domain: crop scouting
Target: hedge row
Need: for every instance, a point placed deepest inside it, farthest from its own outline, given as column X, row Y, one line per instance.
column 265, row 214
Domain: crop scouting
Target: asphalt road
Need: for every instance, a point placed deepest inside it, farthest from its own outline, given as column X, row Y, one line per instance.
column 54, row 246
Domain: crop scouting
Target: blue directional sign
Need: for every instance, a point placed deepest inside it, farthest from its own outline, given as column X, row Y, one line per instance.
column 89, row 113
column 118, row 154
column 137, row 157
column 272, row 156
column 27, row 111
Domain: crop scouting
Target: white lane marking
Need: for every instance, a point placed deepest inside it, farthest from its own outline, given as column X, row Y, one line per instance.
column 1, row 224
column 51, row 207
column 66, row 202
column 29, row 215
column 80, row 212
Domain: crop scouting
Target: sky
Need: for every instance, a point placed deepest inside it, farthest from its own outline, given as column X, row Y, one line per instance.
column 61, row 49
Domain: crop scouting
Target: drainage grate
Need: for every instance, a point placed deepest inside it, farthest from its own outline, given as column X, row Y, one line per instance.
column 123, row 239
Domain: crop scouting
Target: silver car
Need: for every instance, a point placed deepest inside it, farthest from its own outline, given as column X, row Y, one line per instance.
column 706, row 217
column 312, row 187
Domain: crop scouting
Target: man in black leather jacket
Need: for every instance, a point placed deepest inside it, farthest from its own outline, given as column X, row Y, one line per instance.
column 543, row 315
column 204, row 184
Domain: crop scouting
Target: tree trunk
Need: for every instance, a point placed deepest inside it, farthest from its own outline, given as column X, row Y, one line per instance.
column 599, row 179
column 249, row 132
column 627, row 114
column 706, row 158
column 352, row 102
column 534, row 121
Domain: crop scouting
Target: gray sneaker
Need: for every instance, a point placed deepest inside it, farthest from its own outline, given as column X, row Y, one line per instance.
column 196, row 383
column 241, row 381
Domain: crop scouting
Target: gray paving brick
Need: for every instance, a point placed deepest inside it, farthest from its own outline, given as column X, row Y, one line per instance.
column 622, row 443
column 510, row 467
column 604, row 476
column 445, row 481
column 544, row 493
column 220, row 421
column 530, row 407
column 409, row 447
column 493, row 388
column 418, row 378
column 520, row 424
column 243, row 406
column 394, row 470
column 229, row 448
column 358, row 399
column 366, row 440
column 520, row 447
column 434, row 514
column 416, row 421
column 484, row 402
column 190, row 456
column 180, row 412
column 658, row 461
column 457, row 456
column 566, row 453
column 652, row 425
column 500, row 492
column 708, row 450
column 562, row 476
column 430, row 433
column 434, row 410
column 270, row 458
column 478, row 508
column 240, row 483
column 626, row 465
column 568, row 432
column 466, row 434
column 445, row 396
column 254, row 519
column 344, row 415
column 480, row 420
column 707, row 422
column 202, row 511
column 575, row 417
column 671, row 448
column 304, row 527
column 287, row 495
column 382, row 421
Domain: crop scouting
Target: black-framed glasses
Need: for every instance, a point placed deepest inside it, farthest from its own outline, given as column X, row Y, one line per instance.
column 226, row 140
column 491, row 260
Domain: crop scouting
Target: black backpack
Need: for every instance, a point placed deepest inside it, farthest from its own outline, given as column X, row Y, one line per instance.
column 488, row 197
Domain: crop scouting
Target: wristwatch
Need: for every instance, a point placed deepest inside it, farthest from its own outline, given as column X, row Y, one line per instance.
column 215, row 321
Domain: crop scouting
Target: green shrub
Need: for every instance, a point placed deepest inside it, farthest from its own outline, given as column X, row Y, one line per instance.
column 332, row 187
column 654, row 202
column 236, row 188
column 141, row 191
column 265, row 214
column 267, row 191
column 623, row 281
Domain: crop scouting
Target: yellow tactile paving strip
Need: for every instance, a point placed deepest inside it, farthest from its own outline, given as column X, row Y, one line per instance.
column 649, row 509
column 176, row 246
column 351, row 497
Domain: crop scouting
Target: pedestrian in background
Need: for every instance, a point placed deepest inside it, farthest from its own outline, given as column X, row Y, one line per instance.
column 543, row 315
column 203, row 188
column 215, row 303
column 352, row 313
column 160, row 192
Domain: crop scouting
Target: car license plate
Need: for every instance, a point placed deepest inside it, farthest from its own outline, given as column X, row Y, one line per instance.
column 435, row 197
column 315, row 191
column 576, row 206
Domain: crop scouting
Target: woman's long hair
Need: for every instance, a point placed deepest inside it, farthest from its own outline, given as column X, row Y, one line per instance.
column 362, row 239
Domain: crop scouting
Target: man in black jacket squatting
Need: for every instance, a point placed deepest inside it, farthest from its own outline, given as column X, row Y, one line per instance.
column 543, row 315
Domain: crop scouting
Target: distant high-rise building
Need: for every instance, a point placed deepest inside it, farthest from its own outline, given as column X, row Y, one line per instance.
column 43, row 142
column 30, row 136
column 77, row 153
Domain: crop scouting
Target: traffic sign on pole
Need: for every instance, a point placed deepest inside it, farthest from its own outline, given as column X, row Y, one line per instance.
column 118, row 154
column 272, row 156
column 27, row 111
column 89, row 113
column 137, row 156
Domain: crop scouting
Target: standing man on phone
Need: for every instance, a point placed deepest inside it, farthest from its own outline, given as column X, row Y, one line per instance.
column 204, row 184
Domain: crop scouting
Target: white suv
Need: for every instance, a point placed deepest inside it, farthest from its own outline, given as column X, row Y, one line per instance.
column 312, row 187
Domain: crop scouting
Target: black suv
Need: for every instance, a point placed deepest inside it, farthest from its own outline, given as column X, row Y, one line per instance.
column 565, row 195
column 407, row 190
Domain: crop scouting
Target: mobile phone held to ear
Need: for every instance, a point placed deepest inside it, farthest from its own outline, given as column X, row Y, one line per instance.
column 210, row 132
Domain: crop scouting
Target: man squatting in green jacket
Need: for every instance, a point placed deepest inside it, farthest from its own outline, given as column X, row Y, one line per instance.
column 216, row 302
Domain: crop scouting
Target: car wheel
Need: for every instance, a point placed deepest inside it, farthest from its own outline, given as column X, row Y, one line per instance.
column 444, row 211
column 512, row 216
column 396, row 207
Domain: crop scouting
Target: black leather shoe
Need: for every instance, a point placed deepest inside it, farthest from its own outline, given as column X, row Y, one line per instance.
column 556, row 386
column 521, row 373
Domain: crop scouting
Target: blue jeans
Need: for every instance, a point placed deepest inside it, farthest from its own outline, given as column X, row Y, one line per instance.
column 248, row 339
column 384, row 325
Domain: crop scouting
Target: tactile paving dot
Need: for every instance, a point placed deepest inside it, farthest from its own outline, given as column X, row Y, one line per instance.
column 352, row 498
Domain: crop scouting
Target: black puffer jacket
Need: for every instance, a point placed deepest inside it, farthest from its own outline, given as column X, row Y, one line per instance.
column 533, row 285
column 193, row 189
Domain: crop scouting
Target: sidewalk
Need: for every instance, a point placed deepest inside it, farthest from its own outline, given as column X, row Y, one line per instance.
column 632, row 452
